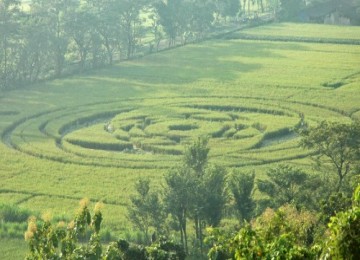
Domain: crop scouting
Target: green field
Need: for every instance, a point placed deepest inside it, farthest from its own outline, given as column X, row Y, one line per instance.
column 93, row 135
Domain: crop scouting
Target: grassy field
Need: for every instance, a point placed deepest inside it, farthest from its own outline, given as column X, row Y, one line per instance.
column 93, row 135
column 316, row 31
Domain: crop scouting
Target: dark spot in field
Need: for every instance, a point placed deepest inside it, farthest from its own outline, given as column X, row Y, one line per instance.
column 334, row 85
column 8, row 113
column 183, row 127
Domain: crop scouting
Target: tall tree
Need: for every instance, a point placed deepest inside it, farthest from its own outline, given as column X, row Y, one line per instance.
column 338, row 143
column 130, row 24
column 196, row 155
column 290, row 9
column 9, row 33
column 106, row 15
column 196, row 190
column 274, row 6
column 178, row 198
column 54, row 14
column 196, row 159
column 174, row 18
column 214, row 188
column 231, row 8
column 200, row 18
column 208, row 195
column 242, row 188
column 35, row 52
column 284, row 185
column 146, row 210
column 344, row 229
column 80, row 28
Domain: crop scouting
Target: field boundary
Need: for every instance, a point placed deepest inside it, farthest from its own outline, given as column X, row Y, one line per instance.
column 245, row 36
column 39, row 194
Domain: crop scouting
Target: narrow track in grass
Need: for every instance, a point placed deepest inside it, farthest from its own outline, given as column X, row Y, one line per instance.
column 144, row 133
column 32, row 195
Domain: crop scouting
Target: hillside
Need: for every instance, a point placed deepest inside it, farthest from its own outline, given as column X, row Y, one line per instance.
column 94, row 134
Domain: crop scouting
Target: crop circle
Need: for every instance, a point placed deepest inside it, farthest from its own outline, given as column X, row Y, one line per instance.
column 152, row 133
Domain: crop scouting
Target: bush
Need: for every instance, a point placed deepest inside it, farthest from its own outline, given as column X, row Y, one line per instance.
column 344, row 240
column 12, row 213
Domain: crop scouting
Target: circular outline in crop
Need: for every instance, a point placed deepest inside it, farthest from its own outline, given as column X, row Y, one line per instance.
column 89, row 115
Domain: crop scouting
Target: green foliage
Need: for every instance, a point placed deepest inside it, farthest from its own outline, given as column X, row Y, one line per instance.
column 290, row 9
column 146, row 209
column 196, row 190
column 178, row 198
column 284, row 185
column 288, row 221
column 344, row 227
column 242, row 188
column 164, row 249
column 12, row 213
column 196, row 155
column 338, row 142
column 336, row 202
column 278, row 234
column 47, row 241
column 185, row 18
column 214, row 193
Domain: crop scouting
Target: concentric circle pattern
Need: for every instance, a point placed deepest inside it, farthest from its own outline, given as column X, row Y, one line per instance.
column 152, row 133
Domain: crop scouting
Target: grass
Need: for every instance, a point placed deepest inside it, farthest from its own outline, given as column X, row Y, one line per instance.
column 13, row 248
column 317, row 31
column 93, row 135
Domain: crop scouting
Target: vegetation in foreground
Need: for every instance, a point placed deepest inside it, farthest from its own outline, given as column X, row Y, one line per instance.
column 287, row 225
column 280, row 234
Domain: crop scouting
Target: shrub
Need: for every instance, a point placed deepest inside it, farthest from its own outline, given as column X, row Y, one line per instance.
column 12, row 213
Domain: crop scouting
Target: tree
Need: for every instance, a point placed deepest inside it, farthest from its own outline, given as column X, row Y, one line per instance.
column 196, row 159
column 9, row 31
column 106, row 16
column 230, row 8
column 285, row 184
column 344, row 239
column 242, row 188
column 178, row 197
column 80, row 28
column 337, row 142
column 53, row 15
column 196, row 190
column 274, row 6
column 35, row 51
column 172, row 18
column 199, row 18
column 261, row 4
column 196, row 155
column 130, row 23
column 215, row 194
column 290, row 9
column 280, row 234
column 146, row 210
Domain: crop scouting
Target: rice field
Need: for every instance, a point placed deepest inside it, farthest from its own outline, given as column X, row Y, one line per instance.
column 93, row 135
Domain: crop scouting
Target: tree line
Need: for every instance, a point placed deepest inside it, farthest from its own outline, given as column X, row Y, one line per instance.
column 45, row 39
column 48, row 39
column 291, row 217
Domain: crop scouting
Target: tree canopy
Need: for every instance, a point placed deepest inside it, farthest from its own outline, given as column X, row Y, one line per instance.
column 339, row 143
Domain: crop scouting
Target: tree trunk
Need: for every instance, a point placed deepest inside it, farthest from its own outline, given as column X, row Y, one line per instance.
column 5, row 63
column 340, row 183
column 183, row 227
